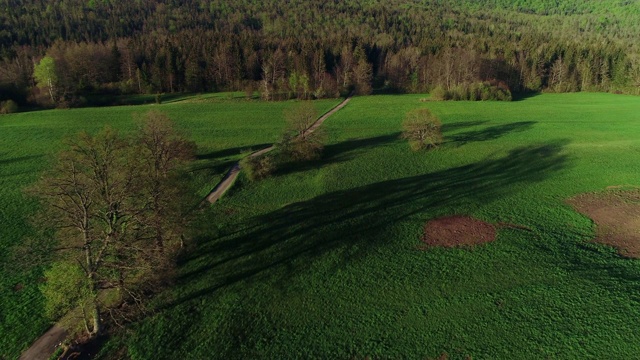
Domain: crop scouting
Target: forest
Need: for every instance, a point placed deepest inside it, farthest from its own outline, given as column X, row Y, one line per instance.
column 64, row 52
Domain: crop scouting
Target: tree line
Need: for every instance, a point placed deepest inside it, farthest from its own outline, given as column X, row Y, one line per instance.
column 65, row 51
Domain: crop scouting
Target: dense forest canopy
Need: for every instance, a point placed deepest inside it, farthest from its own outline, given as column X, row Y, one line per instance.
column 316, row 48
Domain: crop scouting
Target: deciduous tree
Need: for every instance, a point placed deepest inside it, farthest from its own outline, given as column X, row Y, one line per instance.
column 46, row 77
column 301, row 141
column 116, row 212
column 422, row 129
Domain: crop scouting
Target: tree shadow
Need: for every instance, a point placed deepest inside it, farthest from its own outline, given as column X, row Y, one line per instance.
column 289, row 239
column 18, row 159
column 220, row 161
column 490, row 133
column 346, row 150
column 524, row 95
column 9, row 167
column 339, row 150
column 462, row 125
column 597, row 263
column 337, row 153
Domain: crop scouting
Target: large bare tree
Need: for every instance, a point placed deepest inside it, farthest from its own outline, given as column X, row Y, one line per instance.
column 114, row 207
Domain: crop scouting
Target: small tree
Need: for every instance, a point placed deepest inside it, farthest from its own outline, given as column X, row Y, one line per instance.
column 299, row 120
column 422, row 129
column 258, row 167
column 301, row 141
column 46, row 76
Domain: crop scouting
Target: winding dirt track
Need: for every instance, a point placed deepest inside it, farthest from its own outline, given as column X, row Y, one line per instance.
column 46, row 344
column 233, row 173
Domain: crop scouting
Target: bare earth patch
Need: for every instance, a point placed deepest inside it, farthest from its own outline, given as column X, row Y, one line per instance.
column 617, row 218
column 457, row 231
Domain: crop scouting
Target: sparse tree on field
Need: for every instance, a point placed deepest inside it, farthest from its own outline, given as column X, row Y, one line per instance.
column 300, row 118
column 422, row 129
column 113, row 205
column 301, row 141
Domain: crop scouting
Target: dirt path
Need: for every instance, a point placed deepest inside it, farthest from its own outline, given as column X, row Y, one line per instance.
column 233, row 173
column 46, row 345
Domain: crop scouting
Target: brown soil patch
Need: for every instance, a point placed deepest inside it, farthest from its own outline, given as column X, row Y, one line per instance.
column 455, row 231
column 617, row 218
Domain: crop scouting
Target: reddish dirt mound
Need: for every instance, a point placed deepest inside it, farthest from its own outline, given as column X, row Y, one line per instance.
column 453, row 231
column 617, row 218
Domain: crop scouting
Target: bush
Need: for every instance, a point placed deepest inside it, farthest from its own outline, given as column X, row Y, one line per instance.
column 439, row 93
column 8, row 107
column 302, row 150
column 258, row 167
column 422, row 129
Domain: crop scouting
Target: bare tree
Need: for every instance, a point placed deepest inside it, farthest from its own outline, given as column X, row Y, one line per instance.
column 112, row 204
column 162, row 152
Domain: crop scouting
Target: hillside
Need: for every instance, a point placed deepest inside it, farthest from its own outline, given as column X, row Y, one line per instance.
column 316, row 49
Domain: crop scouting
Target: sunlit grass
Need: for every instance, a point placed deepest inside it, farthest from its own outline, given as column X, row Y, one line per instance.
column 223, row 129
column 324, row 260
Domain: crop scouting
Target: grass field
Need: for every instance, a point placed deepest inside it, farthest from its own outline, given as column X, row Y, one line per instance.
column 324, row 260
column 223, row 128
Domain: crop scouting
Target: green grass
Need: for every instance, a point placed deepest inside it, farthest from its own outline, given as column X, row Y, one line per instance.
column 223, row 127
column 323, row 261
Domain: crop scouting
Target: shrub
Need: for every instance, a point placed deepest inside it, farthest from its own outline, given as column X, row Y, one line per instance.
column 439, row 93
column 422, row 129
column 258, row 167
column 8, row 107
column 295, row 150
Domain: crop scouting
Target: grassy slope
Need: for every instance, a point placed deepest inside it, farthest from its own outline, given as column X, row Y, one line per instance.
column 323, row 261
column 222, row 128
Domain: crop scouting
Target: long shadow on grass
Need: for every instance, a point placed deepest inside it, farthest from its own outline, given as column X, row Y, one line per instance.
column 217, row 162
column 18, row 159
column 8, row 166
column 339, row 152
column 355, row 221
column 490, row 133
column 593, row 262
column 344, row 151
column 461, row 125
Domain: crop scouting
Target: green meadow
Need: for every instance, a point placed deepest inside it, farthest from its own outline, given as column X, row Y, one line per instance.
column 324, row 259
column 224, row 126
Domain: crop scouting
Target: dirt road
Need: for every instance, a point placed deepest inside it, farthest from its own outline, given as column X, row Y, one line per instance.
column 46, row 345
